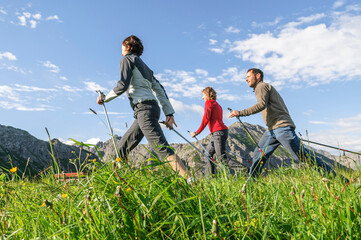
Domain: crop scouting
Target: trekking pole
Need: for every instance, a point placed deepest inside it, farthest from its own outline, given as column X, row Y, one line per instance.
column 235, row 154
column 110, row 128
column 209, row 155
column 249, row 134
column 163, row 122
column 324, row 145
column 213, row 161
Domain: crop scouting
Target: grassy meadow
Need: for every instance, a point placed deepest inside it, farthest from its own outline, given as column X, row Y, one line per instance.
column 116, row 201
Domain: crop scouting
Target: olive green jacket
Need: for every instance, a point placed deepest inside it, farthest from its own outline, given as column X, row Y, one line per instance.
column 271, row 105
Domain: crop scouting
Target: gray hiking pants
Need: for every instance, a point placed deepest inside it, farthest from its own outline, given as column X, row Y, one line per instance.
column 217, row 145
column 146, row 124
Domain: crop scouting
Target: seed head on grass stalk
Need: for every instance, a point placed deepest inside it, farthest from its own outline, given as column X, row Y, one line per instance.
column 302, row 195
column 293, row 192
column 325, row 181
column 118, row 195
column 338, row 197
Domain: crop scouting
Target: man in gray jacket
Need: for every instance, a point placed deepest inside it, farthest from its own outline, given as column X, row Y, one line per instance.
column 281, row 128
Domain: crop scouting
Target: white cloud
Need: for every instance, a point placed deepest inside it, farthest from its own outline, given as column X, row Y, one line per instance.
column 53, row 18
column 188, row 84
column 63, row 78
column 201, row 26
column 37, row 16
column 22, row 20
column 303, row 20
column 267, row 24
column 345, row 132
column 212, row 42
column 185, row 108
column 3, row 11
column 231, row 29
column 7, row 55
column 182, row 83
column 314, row 54
column 21, row 107
column 66, row 141
column 32, row 23
column 33, row 19
column 338, row 4
column 352, row 124
column 201, row 72
column 232, row 74
column 308, row 112
column 27, row 14
column 52, row 67
column 24, row 88
column 29, row 98
column 217, row 50
column 228, row 97
column 68, row 88
column 92, row 86
column 92, row 141
column 14, row 68
column 118, row 130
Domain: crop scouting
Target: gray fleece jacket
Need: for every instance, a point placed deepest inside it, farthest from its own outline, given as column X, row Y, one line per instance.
column 137, row 79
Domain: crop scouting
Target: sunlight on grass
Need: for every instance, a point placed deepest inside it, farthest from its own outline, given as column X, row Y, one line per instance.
column 114, row 201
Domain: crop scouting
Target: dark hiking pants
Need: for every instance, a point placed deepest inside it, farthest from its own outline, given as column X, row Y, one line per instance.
column 217, row 145
column 146, row 124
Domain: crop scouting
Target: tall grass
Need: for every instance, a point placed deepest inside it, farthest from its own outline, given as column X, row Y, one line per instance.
column 153, row 202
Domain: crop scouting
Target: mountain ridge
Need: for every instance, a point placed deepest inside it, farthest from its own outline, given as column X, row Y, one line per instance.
column 21, row 149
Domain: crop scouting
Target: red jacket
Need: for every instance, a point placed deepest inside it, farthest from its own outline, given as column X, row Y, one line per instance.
column 213, row 116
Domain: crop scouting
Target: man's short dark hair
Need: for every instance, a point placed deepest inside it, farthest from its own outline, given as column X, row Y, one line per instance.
column 134, row 44
column 255, row 71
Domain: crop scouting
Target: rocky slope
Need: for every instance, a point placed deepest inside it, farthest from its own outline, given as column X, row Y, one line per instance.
column 18, row 146
column 238, row 143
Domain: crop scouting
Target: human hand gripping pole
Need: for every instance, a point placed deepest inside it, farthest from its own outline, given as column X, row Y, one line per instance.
column 101, row 95
column 209, row 155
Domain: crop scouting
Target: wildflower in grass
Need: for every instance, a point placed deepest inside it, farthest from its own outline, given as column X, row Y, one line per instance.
column 14, row 169
column 118, row 192
column 237, row 224
column 64, row 195
column 117, row 159
column 214, row 230
column 251, row 223
column 325, row 180
column 94, row 160
column 47, row 203
column 128, row 189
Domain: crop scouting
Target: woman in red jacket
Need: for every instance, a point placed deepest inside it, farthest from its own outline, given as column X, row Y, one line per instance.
column 213, row 117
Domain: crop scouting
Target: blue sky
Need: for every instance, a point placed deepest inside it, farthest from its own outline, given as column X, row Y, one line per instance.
column 55, row 54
